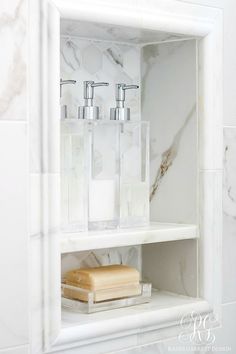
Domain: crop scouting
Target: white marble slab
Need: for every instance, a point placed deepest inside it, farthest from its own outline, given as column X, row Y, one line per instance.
column 13, row 70
column 225, row 340
column 229, row 60
column 140, row 344
column 171, row 266
column 119, row 15
column 106, row 32
column 156, row 232
column 14, row 296
column 16, row 350
column 164, row 308
column 229, row 215
column 169, row 103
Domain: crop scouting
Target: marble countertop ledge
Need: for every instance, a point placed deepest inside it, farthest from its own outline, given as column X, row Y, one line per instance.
column 155, row 232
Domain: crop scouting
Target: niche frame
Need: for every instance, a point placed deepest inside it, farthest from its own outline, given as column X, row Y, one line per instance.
column 173, row 16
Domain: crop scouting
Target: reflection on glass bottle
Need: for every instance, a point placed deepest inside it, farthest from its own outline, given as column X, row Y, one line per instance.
column 104, row 167
column 134, row 174
column 104, row 175
column 134, row 163
column 73, row 175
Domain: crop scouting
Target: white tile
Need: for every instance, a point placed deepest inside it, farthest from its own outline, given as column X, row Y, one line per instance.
column 169, row 103
column 229, row 55
column 13, row 24
column 229, row 216
column 36, row 294
column 225, row 340
column 171, row 266
column 210, row 248
column 35, row 206
column 16, row 350
column 14, row 234
column 213, row 3
column 225, row 336
column 103, row 347
column 229, row 60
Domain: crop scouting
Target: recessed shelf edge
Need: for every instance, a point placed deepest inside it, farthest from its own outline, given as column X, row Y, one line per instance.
column 155, row 232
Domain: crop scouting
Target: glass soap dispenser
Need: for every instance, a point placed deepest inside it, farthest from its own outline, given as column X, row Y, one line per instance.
column 73, row 171
column 134, row 163
column 103, row 163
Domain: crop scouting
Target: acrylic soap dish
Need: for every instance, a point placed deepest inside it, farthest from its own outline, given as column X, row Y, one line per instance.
column 70, row 295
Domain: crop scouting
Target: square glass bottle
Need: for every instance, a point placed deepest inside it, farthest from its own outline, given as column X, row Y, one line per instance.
column 134, row 174
column 74, row 179
column 103, row 199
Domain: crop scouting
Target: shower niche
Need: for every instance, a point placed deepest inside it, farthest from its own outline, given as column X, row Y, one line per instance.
column 142, row 193
column 162, row 141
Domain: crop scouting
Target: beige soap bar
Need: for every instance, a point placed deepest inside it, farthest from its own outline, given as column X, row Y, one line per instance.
column 104, row 277
column 103, row 295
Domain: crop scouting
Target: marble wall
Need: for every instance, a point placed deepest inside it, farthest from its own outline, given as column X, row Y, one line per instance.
column 229, row 215
column 14, row 188
column 169, row 102
column 13, row 26
column 13, row 95
column 123, row 255
column 84, row 60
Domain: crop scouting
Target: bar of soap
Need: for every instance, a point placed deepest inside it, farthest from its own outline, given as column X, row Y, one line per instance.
column 104, row 277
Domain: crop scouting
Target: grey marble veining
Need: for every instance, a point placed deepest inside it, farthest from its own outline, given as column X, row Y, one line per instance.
column 171, row 266
column 229, row 215
column 169, row 103
column 115, row 33
column 13, row 25
column 83, row 59
column 169, row 156
column 95, row 258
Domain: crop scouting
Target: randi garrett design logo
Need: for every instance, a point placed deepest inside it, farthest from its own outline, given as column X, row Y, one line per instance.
column 196, row 329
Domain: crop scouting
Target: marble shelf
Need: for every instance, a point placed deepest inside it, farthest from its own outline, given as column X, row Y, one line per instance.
column 164, row 308
column 156, row 232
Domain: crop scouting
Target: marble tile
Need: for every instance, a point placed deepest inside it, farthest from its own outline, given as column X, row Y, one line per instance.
column 229, row 215
column 169, row 103
column 13, row 26
column 99, row 61
column 16, row 350
column 210, row 241
column 158, row 348
column 212, row 3
column 38, row 184
column 14, row 231
column 224, row 339
column 229, row 62
column 171, row 266
column 36, row 294
column 123, row 255
column 35, row 204
column 225, row 336
column 106, row 32
column 103, row 347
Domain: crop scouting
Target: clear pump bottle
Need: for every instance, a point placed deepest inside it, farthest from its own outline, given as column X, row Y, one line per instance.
column 134, row 163
column 103, row 174
column 73, row 171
